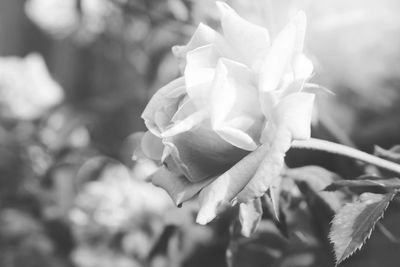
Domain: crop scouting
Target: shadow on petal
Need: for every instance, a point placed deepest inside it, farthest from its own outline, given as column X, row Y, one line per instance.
column 225, row 188
column 177, row 186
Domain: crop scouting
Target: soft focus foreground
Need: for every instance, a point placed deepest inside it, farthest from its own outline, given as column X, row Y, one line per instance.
column 75, row 77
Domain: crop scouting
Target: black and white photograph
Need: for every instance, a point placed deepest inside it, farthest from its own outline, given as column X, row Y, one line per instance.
column 199, row 133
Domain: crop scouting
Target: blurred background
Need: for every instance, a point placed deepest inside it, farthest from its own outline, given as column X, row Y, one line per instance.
column 75, row 76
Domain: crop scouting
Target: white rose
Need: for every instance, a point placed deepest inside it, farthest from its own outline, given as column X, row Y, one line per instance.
column 223, row 127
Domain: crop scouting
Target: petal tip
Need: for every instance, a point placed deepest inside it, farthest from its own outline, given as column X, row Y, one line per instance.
column 223, row 7
column 300, row 18
column 204, row 218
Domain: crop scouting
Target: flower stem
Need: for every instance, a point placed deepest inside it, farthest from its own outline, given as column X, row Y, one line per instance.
column 330, row 147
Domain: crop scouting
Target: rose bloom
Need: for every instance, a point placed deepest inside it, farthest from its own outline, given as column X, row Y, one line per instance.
column 223, row 128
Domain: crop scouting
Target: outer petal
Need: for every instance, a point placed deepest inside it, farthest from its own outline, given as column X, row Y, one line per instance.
column 295, row 113
column 178, row 187
column 203, row 35
column 303, row 68
column 284, row 55
column 234, row 116
column 270, row 168
column 202, row 153
column 250, row 41
column 291, row 120
column 225, row 188
column 163, row 105
column 199, row 73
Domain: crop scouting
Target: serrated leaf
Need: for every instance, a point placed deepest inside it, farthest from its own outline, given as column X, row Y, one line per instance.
column 393, row 183
column 353, row 224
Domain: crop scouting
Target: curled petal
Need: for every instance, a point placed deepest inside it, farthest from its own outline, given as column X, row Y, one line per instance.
column 199, row 73
column 163, row 105
column 225, row 188
column 186, row 124
column 152, row 146
column 177, row 186
column 234, row 116
column 250, row 41
column 202, row 36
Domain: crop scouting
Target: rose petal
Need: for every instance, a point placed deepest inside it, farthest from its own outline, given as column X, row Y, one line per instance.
column 163, row 105
column 278, row 59
column 295, row 112
column 250, row 216
column 299, row 21
column 178, row 187
column 202, row 36
column 186, row 118
column 203, row 153
column 250, row 41
column 152, row 146
column 233, row 114
column 290, row 120
column 303, row 68
column 199, row 73
column 225, row 188
column 270, row 167
column 284, row 54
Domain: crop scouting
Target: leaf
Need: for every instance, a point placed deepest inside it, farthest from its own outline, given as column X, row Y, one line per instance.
column 393, row 183
column 353, row 224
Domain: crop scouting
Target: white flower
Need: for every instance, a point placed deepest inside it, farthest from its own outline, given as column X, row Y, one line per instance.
column 116, row 199
column 224, row 127
column 26, row 88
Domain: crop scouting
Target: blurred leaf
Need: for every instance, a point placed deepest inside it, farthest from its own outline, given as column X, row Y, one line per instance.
column 263, row 248
column 393, row 183
column 353, row 224
column 317, row 178
column 392, row 154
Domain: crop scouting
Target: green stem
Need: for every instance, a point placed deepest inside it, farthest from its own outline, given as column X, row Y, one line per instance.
column 330, row 147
